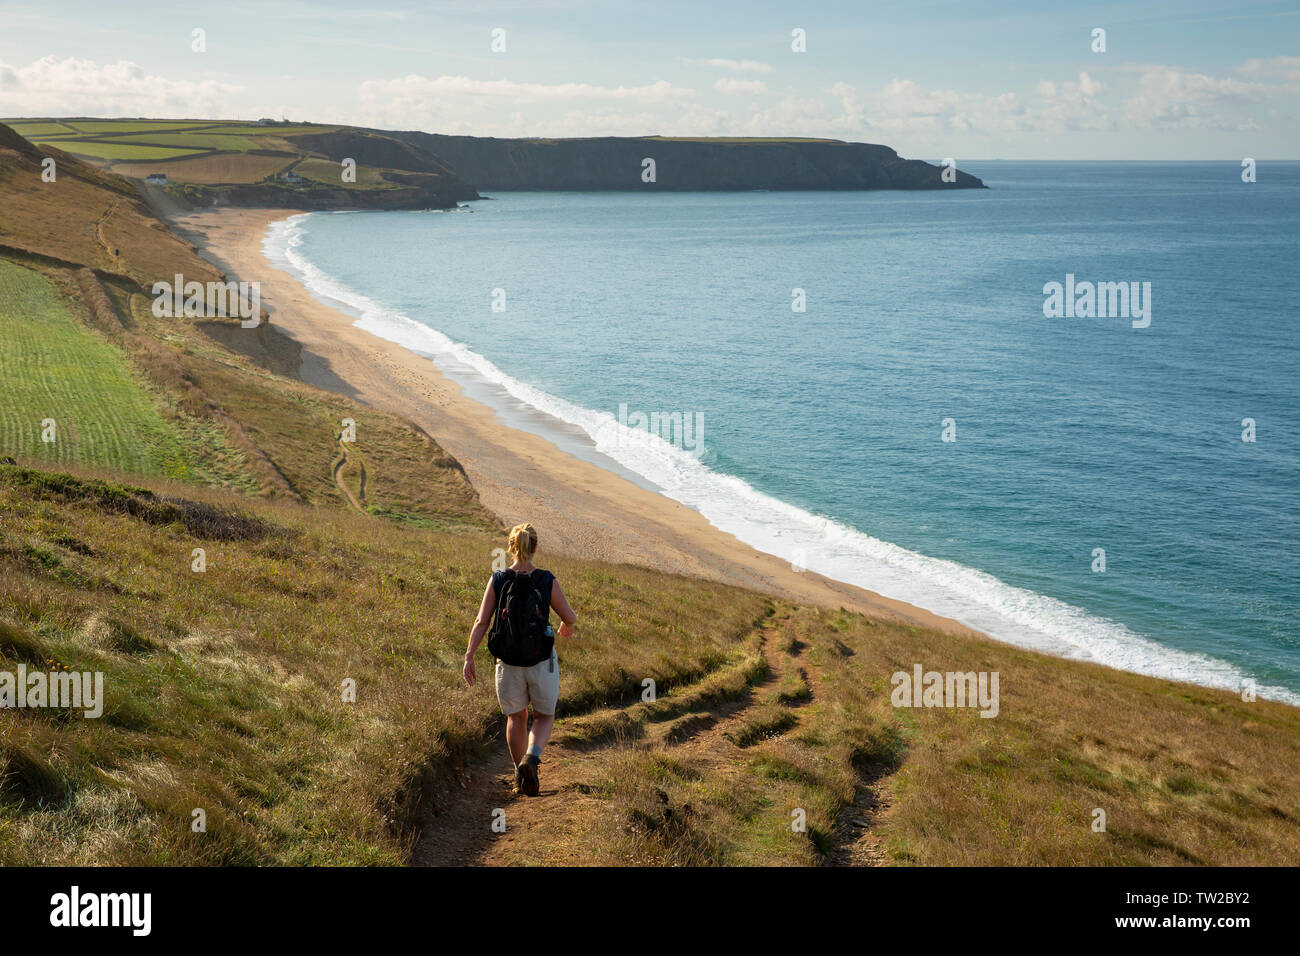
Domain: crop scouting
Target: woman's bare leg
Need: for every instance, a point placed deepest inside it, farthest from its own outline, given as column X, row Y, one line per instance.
column 517, row 735
column 541, row 732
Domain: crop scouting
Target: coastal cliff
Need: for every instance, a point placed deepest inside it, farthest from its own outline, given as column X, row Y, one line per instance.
column 395, row 175
column 616, row 163
column 311, row 166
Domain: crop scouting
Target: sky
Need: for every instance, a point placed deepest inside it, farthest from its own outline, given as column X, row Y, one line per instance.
column 1016, row 79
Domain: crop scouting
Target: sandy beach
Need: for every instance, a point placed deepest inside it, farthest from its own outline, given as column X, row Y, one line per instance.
column 579, row 508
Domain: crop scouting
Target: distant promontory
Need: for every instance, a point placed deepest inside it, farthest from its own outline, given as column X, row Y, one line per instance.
column 681, row 164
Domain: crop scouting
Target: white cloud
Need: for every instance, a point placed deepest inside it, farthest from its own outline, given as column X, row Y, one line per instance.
column 418, row 88
column 906, row 106
column 693, row 120
column 739, row 66
column 54, row 86
column 734, row 87
column 1088, row 86
column 789, row 116
column 461, row 104
column 1074, row 105
column 658, row 91
column 1283, row 68
column 1167, row 96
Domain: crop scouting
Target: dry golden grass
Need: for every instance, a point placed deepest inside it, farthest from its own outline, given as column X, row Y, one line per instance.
column 1184, row 774
column 90, row 217
column 224, row 687
column 809, row 763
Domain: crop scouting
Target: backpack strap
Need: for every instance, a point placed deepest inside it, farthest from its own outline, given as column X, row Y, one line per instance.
column 499, row 580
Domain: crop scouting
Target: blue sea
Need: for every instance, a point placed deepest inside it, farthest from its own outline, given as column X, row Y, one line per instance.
column 819, row 435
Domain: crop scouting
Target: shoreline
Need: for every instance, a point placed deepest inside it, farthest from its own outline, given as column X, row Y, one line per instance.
column 579, row 508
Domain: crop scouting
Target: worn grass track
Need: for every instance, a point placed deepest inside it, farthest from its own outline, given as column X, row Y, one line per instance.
column 694, row 777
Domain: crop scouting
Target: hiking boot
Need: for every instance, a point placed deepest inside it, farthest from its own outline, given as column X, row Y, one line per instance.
column 519, row 778
column 527, row 772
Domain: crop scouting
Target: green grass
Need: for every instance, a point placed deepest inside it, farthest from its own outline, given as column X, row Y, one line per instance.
column 30, row 130
column 252, row 129
column 56, row 368
column 135, row 126
column 203, row 140
column 107, row 149
column 223, row 688
column 329, row 172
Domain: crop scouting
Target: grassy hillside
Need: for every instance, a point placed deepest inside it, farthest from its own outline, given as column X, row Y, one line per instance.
column 224, row 693
column 802, row 721
column 282, row 164
column 61, row 372
column 325, row 562
column 224, row 687
column 85, row 217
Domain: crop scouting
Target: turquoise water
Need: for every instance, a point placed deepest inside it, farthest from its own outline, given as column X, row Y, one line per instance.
column 822, row 429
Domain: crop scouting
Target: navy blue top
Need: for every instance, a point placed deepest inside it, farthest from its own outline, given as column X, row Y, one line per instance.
column 542, row 580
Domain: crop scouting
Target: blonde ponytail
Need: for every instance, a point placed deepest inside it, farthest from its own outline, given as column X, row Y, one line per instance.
column 523, row 541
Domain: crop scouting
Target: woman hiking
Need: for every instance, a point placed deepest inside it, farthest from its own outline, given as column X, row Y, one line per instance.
column 516, row 609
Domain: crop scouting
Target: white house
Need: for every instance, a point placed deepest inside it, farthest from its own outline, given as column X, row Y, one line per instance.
column 156, row 179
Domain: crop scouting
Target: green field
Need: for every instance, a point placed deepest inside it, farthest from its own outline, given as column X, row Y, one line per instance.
column 254, row 129
column 328, row 172
column 136, row 126
column 29, row 130
column 107, row 149
column 55, row 368
column 203, row 139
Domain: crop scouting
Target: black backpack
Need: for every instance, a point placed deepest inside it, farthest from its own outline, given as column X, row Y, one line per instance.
column 519, row 628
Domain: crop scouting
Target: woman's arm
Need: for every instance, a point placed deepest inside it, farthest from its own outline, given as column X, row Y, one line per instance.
column 485, row 611
column 560, row 605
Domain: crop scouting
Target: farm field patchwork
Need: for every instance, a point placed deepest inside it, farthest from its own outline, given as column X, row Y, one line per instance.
column 210, row 161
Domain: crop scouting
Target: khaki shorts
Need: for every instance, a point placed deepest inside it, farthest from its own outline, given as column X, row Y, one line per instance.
column 539, row 685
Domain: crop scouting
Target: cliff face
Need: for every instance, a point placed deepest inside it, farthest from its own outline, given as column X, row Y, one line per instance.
column 426, row 194
column 615, row 163
column 425, row 180
column 380, row 150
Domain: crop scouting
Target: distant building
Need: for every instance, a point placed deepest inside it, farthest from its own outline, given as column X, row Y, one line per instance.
column 289, row 176
column 266, row 121
column 156, row 179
